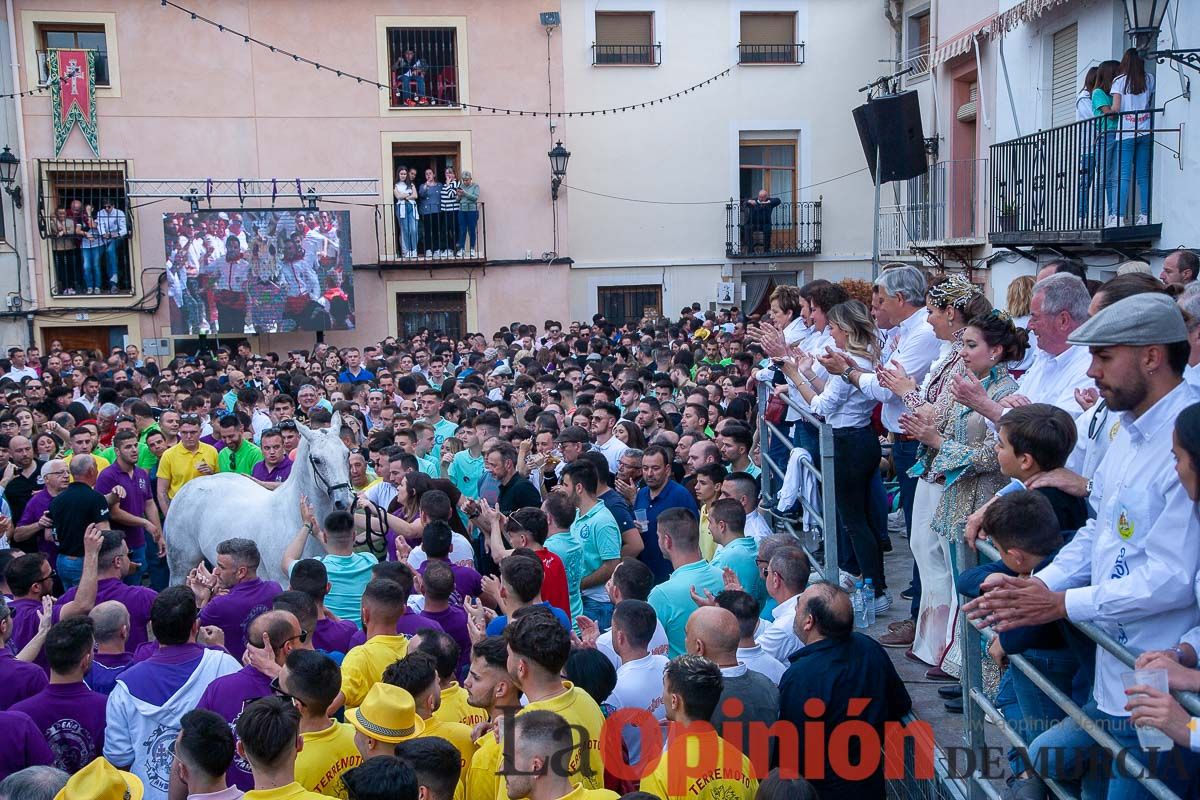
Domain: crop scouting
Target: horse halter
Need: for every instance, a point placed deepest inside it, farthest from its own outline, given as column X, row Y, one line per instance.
column 329, row 488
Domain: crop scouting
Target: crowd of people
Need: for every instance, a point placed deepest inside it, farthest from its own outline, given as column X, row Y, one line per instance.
column 90, row 248
column 560, row 528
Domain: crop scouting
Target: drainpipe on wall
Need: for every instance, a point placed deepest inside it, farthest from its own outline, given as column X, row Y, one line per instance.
column 23, row 155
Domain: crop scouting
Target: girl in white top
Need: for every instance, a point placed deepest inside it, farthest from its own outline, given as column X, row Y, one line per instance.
column 1132, row 94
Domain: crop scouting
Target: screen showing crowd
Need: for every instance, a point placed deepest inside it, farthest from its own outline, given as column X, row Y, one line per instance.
column 258, row 271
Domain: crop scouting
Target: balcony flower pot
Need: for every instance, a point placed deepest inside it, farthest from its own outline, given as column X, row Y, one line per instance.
column 1009, row 219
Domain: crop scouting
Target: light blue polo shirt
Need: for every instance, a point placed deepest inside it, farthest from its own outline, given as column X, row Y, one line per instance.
column 465, row 472
column 672, row 601
column 441, row 432
column 739, row 555
column 570, row 550
column 430, row 466
column 597, row 531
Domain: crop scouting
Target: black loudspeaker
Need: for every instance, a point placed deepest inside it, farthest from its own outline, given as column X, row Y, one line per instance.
column 892, row 122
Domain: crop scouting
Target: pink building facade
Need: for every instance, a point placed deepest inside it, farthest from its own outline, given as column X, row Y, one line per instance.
column 179, row 100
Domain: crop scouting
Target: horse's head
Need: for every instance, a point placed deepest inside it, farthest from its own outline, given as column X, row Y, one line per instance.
column 329, row 461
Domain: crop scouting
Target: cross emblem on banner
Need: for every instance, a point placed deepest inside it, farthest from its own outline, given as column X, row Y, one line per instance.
column 73, row 95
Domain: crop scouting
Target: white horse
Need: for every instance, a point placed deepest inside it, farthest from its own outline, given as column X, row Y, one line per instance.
column 208, row 510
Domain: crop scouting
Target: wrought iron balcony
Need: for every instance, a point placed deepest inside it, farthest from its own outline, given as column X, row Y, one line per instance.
column 441, row 239
column 785, row 229
column 1085, row 183
column 941, row 208
column 628, row 55
column 771, row 53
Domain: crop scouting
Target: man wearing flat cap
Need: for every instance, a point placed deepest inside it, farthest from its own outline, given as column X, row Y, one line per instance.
column 1130, row 570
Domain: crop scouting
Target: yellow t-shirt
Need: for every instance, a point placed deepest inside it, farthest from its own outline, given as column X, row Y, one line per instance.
column 326, row 755
column 455, row 708
column 102, row 463
column 456, row 734
column 483, row 782
column 729, row 775
column 293, row 791
column 580, row 793
column 708, row 547
column 178, row 465
column 579, row 709
column 363, row 666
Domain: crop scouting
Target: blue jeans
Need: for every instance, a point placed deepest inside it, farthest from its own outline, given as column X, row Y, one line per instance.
column 1036, row 712
column 408, row 80
column 777, row 450
column 598, row 612
column 91, row 266
column 1135, row 153
column 70, row 570
column 137, row 555
column 157, row 568
column 806, row 436
column 408, row 230
column 1111, row 148
column 1068, row 753
column 110, row 261
column 467, row 222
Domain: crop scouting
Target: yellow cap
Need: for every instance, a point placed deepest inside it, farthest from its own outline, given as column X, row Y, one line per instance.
column 100, row 780
column 387, row 714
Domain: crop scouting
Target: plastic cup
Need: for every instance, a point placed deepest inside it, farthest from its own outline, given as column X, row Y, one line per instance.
column 642, row 520
column 1149, row 738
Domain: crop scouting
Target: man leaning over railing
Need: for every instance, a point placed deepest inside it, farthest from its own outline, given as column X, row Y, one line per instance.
column 1131, row 569
column 758, row 221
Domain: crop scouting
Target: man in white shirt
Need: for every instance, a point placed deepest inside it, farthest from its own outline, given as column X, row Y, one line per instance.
column 631, row 580
column 604, row 418
column 639, row 676
column 1058, row 307
column 111, row 223
column 745, row 491
column 1130, row 570
column 787, row 577
column 746, row 610
column 19, row 368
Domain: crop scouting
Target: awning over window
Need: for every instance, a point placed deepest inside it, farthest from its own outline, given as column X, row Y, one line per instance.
column 954, row 48
column 1025, row 11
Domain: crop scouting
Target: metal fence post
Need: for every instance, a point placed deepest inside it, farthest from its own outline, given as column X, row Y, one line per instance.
column 972, row 680
column 764, row 394
column 829, row 517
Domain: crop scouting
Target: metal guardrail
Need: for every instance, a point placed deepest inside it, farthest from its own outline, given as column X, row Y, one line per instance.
column 828, row 566
column 973, row 638
column 788, row 229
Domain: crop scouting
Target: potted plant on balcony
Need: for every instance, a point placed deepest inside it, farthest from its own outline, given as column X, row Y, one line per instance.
column 1009, row 211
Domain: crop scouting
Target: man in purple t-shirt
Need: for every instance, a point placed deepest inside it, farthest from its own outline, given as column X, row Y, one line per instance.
column 439, row 585
column 31, row 578
column 437, row 540
column 332, row 636
column 110, row 626
column 18, row 679
column 135, row 513
column 229, row 695
column 69, row 714
column 113, row 566
column 275, row 467
column 232, row 595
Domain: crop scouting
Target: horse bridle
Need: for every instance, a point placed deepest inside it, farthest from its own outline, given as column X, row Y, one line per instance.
column 372, row 537
column 329, row 488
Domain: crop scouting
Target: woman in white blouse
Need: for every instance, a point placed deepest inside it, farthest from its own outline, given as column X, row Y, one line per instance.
column 848, row 411
column 1133, row 94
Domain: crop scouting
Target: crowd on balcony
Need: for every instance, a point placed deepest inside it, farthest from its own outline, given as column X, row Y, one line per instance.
column 1116, row 158
column 90, row 248
column 437, row 218
column 556, row 524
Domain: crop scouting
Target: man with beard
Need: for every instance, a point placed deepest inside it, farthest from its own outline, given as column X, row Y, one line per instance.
column 1131, row 568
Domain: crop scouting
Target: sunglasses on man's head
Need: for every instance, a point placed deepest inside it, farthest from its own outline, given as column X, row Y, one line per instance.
column 193, row 419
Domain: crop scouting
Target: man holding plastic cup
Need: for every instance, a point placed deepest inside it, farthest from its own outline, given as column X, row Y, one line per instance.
column 1130, row 570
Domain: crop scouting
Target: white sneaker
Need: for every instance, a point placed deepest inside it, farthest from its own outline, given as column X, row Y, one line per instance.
column 458, row 253
column 1141, row 220
column 473, row 254
column 1110, row 221
column 883, row 603
column 429, row 254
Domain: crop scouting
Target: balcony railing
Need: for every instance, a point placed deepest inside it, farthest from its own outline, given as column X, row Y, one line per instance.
column 629, row 55
column 771, row 53
column 938, row 209
column 441, row 239
column 102, row 78
column 1083, row 183
column 787, row 229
